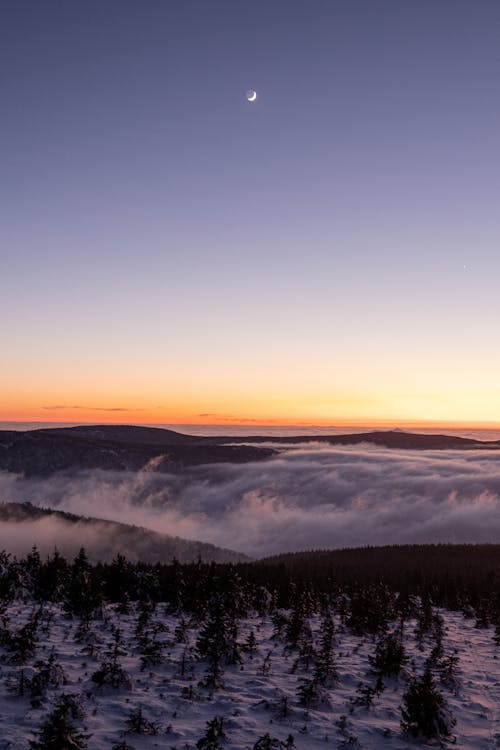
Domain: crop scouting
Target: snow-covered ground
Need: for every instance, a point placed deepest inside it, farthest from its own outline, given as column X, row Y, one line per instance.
column 252, row 698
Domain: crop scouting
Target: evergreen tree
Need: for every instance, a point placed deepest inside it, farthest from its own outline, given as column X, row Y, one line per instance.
column 308, row 692
column 32, row 567
column 296, row 623
column 425, row 712
column 214, row 644
column 214, row 735
column 325, row 670
column 424, row 621
column 389, row 656
column 266, row 742
column 138, row 724
column 83, row 592
column 22, row 644
column 58, row 732
column 53, row 578
column 48, row 674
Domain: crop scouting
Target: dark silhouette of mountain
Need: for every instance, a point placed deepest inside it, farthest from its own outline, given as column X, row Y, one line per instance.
column 398, row 439
column 130, row 434
column 120, row 448
column 129, row 448
column 22, row 524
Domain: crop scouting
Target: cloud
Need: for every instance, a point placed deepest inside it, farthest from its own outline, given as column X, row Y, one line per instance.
column 232, row 418
column 89, row 408
column 55, row 407
column 313, row 496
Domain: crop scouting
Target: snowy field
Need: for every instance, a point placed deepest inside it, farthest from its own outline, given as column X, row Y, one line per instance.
column 258, row 696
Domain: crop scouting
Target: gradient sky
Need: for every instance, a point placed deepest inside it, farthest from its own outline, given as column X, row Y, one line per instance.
column 173, row 253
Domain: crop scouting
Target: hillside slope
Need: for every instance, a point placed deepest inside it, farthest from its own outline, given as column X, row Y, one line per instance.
column 23, row 524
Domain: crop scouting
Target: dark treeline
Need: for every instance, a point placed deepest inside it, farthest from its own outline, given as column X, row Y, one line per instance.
column 452, row 576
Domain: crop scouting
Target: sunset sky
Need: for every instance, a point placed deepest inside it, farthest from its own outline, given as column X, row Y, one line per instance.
column 329, row 253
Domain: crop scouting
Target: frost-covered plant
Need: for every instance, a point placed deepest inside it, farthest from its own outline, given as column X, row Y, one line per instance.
column 111, row 674
column 370, row 609
column 306, row 650
column 138, row 724
column 425, row 618
column 366, row 694
column 19, row 683
column 250, row 645
column 282, row 707
column 50, row 673
column 448, row 670
column 22, row 644
column 185, row 664
column 217, row 643
column 214, row 735
column 347, row 738
column 308, row 692
column 181, row 631
column 151, row 650
column 425, row 712
column 389, row 656
column 122, row 746
column 58, row 731
column 325, row 670
column 265, row 667
column 266, row 742
column 83, row 595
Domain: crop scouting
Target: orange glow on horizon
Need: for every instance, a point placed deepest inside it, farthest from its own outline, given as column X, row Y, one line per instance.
column 226, row 402
column 124, row 415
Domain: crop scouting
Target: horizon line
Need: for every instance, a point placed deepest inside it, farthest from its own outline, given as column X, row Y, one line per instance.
column 275, row 424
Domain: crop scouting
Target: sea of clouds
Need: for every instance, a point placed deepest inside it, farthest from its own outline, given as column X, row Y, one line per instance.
column 311, row 497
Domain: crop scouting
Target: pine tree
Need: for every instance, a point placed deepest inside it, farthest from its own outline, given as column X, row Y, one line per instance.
column 425, row 712
column 214, row 735
column 32, row 566
column 22, row 644
column 250, row 645
column 424, row 621
column 325, row 670
column 308, row 692
column 296, row 624
column 213, row 644
column 48, row 674
column 58, row 733
column 53, row 578
column 389, row 656
column 83, row 593
column 266, row 742
column 138, row 724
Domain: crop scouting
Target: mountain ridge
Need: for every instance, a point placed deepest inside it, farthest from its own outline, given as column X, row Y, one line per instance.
column 103, row 539
column 46, row 451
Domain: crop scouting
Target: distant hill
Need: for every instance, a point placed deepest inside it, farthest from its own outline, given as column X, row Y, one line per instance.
column 130, row 434
column 398, row 439
column 24, row 524
column 120, row 448
column 129, row 448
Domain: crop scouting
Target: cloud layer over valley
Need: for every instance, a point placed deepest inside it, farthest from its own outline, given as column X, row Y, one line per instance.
column 310, row 497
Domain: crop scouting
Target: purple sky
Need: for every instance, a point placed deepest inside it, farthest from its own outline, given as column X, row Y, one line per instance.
column 345, row 225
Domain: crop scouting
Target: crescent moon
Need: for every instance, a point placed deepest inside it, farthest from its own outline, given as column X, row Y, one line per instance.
column 251, row 95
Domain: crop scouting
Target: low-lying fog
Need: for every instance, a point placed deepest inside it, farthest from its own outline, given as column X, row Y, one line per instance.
column 310, row 497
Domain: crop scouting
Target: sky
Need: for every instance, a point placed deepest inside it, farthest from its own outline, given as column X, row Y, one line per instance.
column 327, row 254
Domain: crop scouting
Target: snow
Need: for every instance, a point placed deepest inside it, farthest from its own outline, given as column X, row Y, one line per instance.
column 250, row 698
